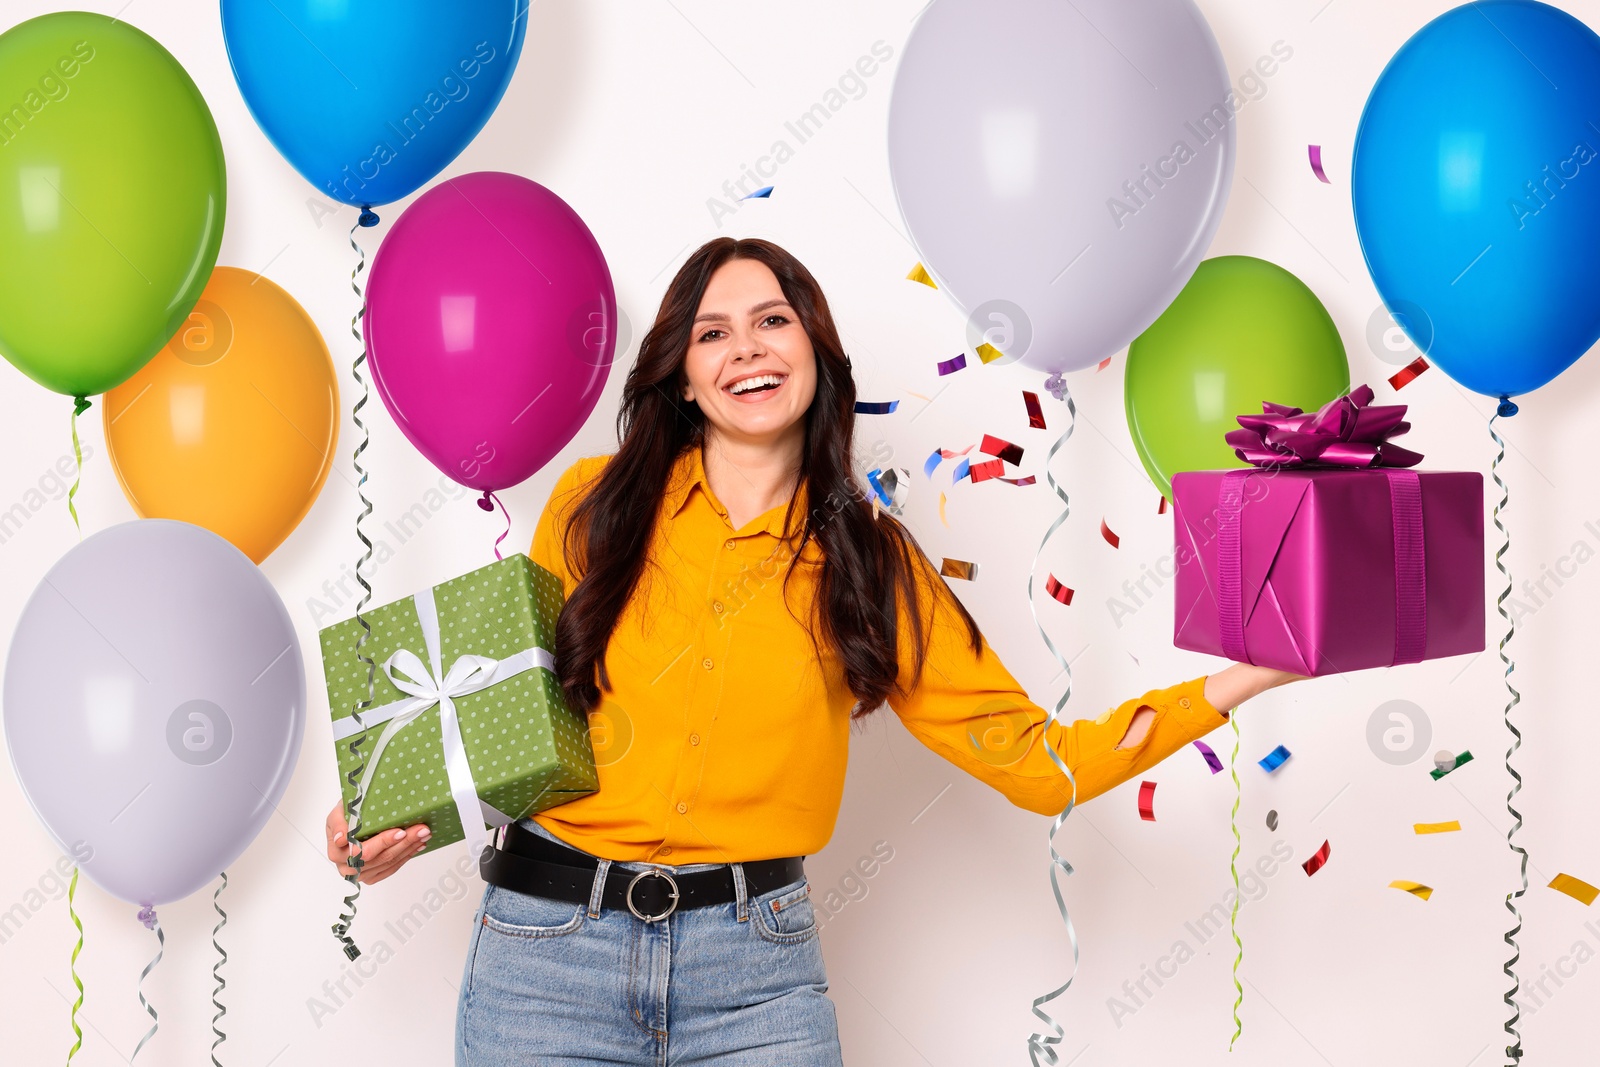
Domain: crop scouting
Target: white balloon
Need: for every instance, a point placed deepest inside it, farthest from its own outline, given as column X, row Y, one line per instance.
column 1062, row 167
column 154, row 706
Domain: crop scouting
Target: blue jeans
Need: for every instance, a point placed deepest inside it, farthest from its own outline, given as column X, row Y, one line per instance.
column 558, row 984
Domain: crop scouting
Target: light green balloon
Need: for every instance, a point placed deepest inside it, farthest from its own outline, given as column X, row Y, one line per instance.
column 1241, row 332
column 112, row 195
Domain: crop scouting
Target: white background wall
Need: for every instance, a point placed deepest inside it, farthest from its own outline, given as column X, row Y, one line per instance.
column 636, row 113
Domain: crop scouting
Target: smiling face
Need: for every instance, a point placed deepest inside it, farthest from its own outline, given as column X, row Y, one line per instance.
column 750, row 365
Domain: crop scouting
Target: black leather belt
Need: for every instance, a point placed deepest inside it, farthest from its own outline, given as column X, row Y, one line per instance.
column 527, row 862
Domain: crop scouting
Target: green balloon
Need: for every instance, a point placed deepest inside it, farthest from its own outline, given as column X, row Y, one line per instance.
column 1241, row 332
column 112, row 195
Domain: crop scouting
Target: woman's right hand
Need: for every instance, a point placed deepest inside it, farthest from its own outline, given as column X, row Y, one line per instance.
column 381, row 855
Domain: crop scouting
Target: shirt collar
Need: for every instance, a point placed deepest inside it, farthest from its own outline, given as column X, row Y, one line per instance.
column 689, row 471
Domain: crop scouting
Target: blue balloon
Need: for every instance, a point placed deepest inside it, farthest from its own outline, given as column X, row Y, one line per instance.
column 1476, row 188
column 369, row 99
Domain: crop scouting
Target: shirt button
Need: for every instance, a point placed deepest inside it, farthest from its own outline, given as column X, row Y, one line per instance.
column 665, row 850
column 706, row 663
column 730, row 544
column 682, row 807
column 1183, row 702
column 694, row 739
column 716, row 605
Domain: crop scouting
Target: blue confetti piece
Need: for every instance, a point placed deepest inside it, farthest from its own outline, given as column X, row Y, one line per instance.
column 764, row 193
column 1274, row 759
column 962, row 469
column 933, row 462
column 876, row 407
column 877, row 487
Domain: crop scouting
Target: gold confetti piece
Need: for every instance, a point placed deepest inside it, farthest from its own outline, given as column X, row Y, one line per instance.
column 1437, row 827
column 919, row 396
column 1576, row 888
column 959, row 568
column 920, row 274
column 941, row 510
column 988, row 352
column 1416, row 889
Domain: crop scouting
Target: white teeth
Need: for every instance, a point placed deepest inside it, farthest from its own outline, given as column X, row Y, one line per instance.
column 747, row 384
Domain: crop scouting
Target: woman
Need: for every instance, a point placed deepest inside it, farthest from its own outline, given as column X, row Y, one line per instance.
column 734, row 604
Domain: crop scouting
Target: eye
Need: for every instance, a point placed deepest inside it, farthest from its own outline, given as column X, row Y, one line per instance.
column 779, row 316
column 707, row 335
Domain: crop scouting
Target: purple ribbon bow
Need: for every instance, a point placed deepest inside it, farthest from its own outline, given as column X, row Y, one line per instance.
column 1345, row 432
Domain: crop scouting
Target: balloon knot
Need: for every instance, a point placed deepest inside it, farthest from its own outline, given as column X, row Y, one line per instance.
column 1056, row 386
column 147, row 915
column 368, row 217
column 80, row 404
column 1506, row 408
column 483, row 501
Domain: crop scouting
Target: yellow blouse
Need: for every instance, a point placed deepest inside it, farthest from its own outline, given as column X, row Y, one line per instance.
column 723, row 739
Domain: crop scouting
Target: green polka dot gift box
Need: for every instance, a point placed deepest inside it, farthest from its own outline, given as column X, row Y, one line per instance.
column 468, row 728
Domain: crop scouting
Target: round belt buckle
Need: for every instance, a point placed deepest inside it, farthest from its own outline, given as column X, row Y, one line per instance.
column 672, row 907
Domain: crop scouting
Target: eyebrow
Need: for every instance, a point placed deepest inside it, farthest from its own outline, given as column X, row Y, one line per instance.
column 717, row 316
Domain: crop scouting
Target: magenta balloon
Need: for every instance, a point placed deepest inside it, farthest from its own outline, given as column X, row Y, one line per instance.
column 491, row 323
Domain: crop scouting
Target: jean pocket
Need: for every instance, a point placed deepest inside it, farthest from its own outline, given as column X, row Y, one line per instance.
column 507, row 911
column 785, row 914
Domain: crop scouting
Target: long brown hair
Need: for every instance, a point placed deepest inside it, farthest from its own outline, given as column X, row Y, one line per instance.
column 867, row 565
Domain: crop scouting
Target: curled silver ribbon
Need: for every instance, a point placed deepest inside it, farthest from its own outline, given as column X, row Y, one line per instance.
column 1513, row 1050
column 1039, row 1044
column 147, row 915
column 216, row 970
column 341, row 928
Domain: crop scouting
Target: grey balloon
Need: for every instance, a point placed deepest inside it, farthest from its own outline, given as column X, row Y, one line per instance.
column 1062, row 167
column 154, row 706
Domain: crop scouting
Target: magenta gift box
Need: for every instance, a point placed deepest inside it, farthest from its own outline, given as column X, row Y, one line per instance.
column 1323, row 571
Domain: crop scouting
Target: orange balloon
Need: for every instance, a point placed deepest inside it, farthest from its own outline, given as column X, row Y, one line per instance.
column 233, row 425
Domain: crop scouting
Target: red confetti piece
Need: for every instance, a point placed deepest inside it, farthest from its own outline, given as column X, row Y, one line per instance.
column 994, row 446
column 1102, row 365
column 1403, row 377
column 1315, row 152
column 947, row 454
column 1111, row 539
column 1147, row 797
column 1162, row 508
column 1314, row 864
column 1035, row 412
column 1029, row 480
column 989, row 468
column 950, row 366
column 1057, row 590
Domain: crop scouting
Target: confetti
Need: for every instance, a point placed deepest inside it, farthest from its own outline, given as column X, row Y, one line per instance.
column 1161, row 508
column 1272, row 819
column 919, row 273
column 1416, row 889
column 950, row 366
column 1403, row 377
column 988, row 352
column 994, row 446
column 932, row 463
column 1315, row 151
column 1444, row 759
column 1111, row 539
column 959, row 568
column 989, row 468
column 1147, row 799
column 891, row 486
column 1315, row 863
column 763, row 193
column 1057, row 590
column 1136, row 663
column 941, row 510
column 1211, row 757
column 876, row 407
column 1465, row 757
column 1028, row 480
column 1274, row 759
column 1035, row 412
column 960, row 472
column 1576, row 888
column 947, row 454
column 1102, row 365
column 1450, row 827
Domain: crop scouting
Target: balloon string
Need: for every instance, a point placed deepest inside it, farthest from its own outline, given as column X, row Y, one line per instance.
column 80, row 404
column 72, row 913
column 1039, row 1044
column 347, row 915
column 1514, row 1050
column 484, row 503
column 216, row 969
column 147, row 915
column 1233, row 868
